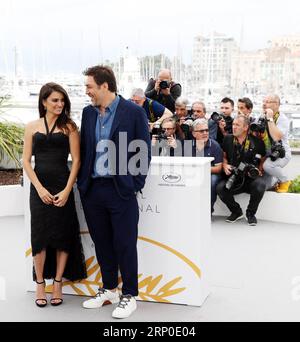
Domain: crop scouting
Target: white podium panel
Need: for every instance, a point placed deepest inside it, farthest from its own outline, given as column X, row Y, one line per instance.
column 174, row 235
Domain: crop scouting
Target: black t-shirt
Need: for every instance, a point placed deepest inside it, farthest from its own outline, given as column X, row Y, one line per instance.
column 237, row 153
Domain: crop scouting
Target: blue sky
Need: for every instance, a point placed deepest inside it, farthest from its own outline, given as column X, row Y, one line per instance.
column 68, row 35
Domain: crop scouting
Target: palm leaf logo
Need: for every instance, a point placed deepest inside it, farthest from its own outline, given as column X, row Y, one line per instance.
column 149, row 289
column 91, row 284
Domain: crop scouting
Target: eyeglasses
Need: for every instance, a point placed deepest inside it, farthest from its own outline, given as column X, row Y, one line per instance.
column 202, row 131
column 168, row 129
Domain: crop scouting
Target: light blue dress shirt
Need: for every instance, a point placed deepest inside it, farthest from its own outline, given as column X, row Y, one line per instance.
column 103, row 129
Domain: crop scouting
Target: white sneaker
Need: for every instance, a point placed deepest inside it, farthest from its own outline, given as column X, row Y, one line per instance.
column 103, row 297
column 125, row 308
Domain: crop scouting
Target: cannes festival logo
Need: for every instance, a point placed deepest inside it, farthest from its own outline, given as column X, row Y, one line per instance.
column 171, row 178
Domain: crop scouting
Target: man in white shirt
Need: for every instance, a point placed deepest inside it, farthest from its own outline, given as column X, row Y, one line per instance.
column 277, row 131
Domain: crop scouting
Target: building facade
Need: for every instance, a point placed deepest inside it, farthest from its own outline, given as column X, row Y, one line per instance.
column 212, row 62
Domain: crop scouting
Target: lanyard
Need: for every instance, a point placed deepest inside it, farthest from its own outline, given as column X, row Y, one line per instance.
column 239, row 150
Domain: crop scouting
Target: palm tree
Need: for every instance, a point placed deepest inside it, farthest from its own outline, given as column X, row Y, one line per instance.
column 11, row 139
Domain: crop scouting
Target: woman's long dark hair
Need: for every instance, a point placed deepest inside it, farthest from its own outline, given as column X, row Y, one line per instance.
column 65, row 117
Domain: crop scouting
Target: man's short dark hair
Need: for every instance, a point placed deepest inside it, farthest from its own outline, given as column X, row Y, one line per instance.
column 226, row 100
column 247, row 102
column 102, row 74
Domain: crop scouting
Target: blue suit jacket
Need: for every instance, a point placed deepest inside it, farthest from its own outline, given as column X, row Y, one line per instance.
column 129, row 118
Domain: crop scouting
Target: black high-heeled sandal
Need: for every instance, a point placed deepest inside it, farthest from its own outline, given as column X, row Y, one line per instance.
column 43, row 300
column 53, row 301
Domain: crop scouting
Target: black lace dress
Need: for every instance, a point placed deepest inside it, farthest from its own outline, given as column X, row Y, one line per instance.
column 54, row 228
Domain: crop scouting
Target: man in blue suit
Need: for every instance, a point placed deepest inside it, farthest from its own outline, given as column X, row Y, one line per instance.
column 115, row 157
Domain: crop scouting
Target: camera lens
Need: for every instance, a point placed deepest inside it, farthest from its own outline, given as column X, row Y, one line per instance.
column 164, row 85
column 253, row 173
column 216, row 117
column 230, row 182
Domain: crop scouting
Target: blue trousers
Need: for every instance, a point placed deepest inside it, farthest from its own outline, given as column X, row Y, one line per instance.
column 113, row 226
column 215, row 179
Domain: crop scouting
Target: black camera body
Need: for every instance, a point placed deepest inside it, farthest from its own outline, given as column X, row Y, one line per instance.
column 237, row 172
column 159, row 132
column 164, row 85
column 216, row 117
column 186, row 125
column 242, row 171
column 157, row 129
column 162, row 136
column 277, row 151
column 260, row 126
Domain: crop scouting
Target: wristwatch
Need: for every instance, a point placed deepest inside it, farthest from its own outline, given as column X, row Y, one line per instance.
column 270, row 120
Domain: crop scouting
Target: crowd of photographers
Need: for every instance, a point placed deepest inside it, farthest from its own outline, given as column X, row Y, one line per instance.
column 250, row 153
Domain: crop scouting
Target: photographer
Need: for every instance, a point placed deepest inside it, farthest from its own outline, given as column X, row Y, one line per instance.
column 242, row 163
column 181, row 109
column 164, row 90
column 156, row 112
column 203, row 146
column 225, row 120
column 183, row 118
column 277, row 145
column 167, row 140
column 245, row 107
column 199, row 112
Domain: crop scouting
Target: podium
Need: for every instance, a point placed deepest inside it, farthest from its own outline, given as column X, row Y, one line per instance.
column 174, row 235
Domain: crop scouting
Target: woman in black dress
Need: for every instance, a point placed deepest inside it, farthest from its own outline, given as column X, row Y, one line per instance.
column 55, row 236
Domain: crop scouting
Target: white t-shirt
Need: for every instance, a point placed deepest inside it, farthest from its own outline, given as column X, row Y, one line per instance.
column 283, row 124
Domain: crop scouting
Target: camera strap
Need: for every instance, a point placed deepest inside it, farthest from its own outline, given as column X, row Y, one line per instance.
column 173, row 84
column 239, row 150
column 269, row 135
column 152, row 117
column 276, row 117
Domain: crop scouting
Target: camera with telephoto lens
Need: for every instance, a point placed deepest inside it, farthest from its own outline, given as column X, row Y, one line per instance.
column 216, row 117
column 187, row 124
column 159, row 132
column 164, row 85
column 277, row 151
column 260, row 126
column 242, row 171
